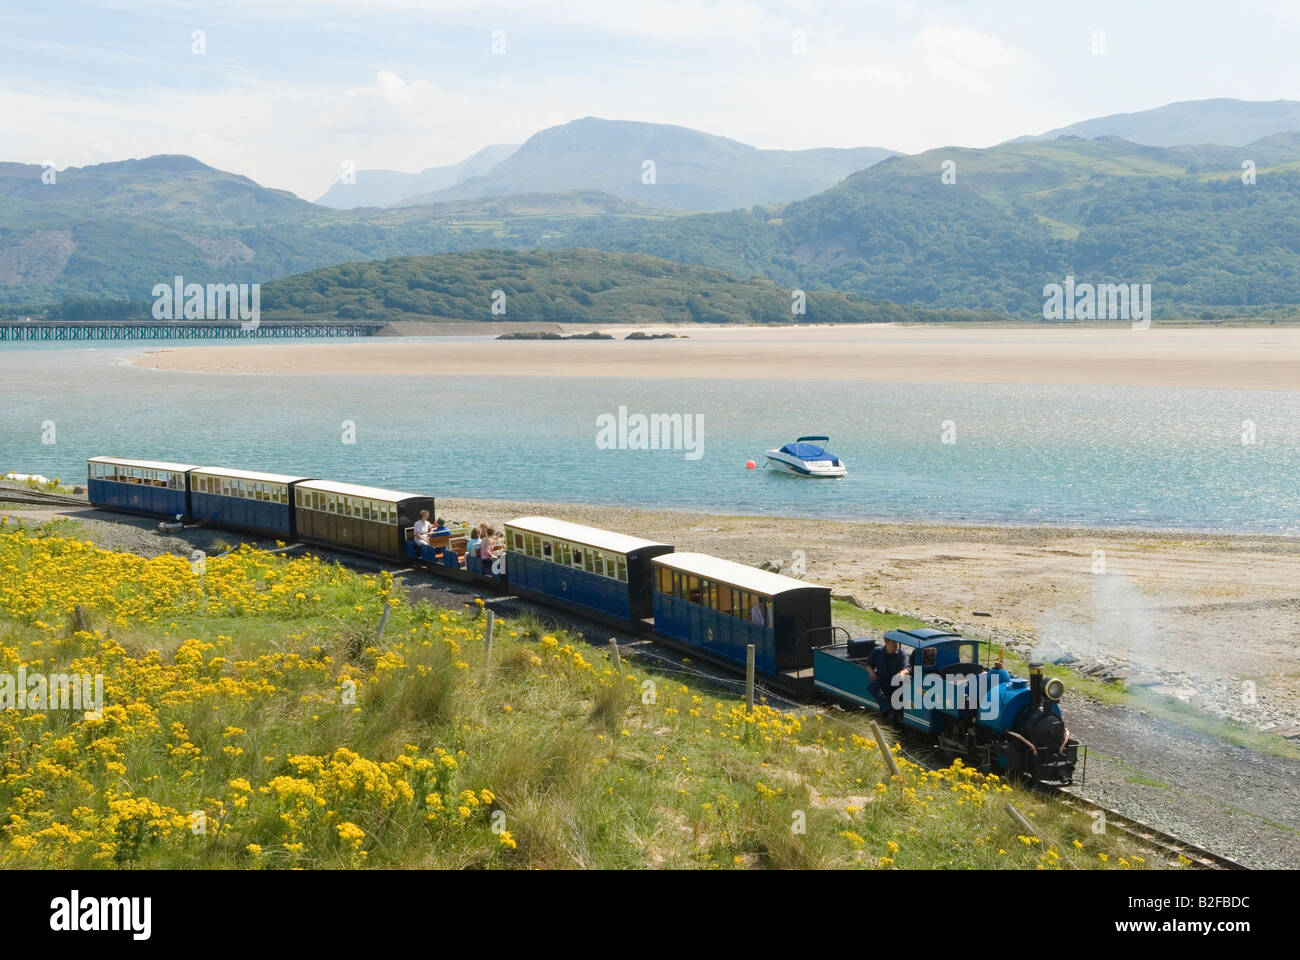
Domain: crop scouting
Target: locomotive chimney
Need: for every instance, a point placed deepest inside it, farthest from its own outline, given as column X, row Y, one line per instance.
column 1035, row 685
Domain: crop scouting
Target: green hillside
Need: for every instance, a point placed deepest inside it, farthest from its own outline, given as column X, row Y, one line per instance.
column 1017, row 217
column 557, row 286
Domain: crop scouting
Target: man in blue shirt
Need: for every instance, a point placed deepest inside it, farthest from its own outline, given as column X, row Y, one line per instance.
column 889, row 668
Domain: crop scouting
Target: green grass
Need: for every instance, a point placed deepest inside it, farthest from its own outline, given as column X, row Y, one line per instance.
column 308, row 741
column 854, row 618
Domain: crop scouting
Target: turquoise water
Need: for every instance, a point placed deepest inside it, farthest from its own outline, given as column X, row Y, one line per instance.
column 1096, row 456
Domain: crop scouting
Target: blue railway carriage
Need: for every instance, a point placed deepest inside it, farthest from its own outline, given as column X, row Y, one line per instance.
column 596, row 571
column 718, row 607
column 358, row 519
column 244, row 500
column 150, row 487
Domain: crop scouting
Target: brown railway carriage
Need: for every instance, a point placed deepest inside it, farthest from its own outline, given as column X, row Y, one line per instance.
column 355, row 518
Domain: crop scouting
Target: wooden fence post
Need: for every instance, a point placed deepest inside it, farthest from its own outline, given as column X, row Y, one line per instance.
column 749, row 678
column 884, row 749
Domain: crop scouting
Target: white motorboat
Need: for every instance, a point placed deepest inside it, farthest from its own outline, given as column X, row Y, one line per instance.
column 806, row 458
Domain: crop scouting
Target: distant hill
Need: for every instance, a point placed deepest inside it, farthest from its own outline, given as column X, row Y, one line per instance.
column 166, row 185
column 116, row 229
column 692, row 170
column 557, row 286
column 383, row 188
column 1017, row 217
column 1233, row 123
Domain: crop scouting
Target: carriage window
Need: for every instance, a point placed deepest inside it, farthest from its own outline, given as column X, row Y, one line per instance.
column 622, row 568
column 547, row 549
column 518, row 540
column 928, row 656
column 333, row 504
column 365, row 509
column 693, row 589
column 723, row 604
column 966, row 653
column 588, row 561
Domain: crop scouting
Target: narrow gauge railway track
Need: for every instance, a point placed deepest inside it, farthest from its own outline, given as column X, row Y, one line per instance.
column 41, row 498
column 1200, row 857
column 672, row 662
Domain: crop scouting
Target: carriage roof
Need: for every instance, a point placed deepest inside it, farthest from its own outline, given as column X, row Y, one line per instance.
column 367, row 493
column 735, row 574
column 143, row 464
column 580, row 533
column 253, row 475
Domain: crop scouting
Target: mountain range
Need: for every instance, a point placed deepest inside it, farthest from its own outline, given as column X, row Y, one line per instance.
column 953, row 227
column 385, row 188
column 660, row 164
column 1233, row 123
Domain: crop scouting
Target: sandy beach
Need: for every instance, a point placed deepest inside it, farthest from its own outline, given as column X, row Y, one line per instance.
column 1213, row 610
column 1252, row 358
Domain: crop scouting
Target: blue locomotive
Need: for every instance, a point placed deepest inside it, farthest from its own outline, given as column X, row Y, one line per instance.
column 713, row 608
column 1010, row 724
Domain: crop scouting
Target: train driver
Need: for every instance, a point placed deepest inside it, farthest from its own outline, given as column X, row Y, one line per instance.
column 888, row 667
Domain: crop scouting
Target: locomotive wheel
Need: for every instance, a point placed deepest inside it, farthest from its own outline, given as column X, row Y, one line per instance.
column 1014, row 759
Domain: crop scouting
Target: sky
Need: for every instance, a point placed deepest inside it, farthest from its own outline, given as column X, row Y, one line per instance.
column 289, row 91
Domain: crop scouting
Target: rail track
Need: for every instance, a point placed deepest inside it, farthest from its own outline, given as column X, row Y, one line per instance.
column 1199, row 857
column 41, row 498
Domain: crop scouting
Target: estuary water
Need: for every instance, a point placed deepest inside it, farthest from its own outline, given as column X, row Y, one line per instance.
column 1155, row 457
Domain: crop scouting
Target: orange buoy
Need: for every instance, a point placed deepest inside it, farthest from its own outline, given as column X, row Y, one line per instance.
column 749, row 464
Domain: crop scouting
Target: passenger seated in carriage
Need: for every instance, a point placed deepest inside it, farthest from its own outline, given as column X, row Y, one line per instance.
column 488, row 550
column 423, row 528
column 473, row 544
column 440, row 529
